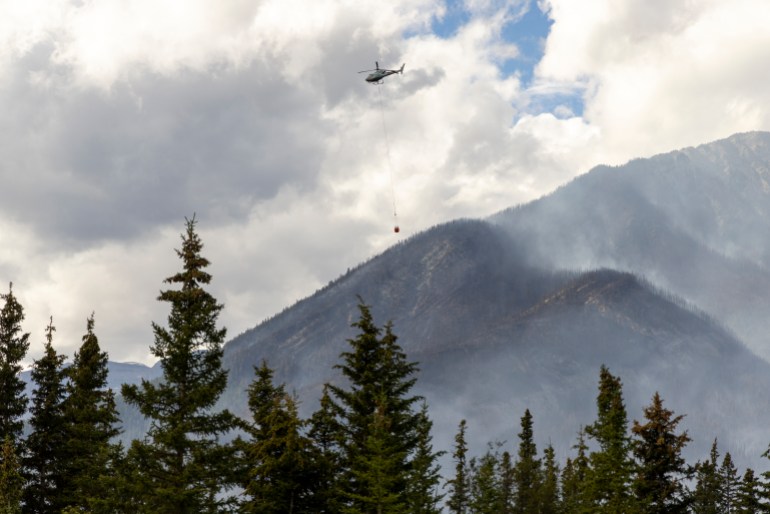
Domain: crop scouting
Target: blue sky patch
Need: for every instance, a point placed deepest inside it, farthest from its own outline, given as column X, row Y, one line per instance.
column 528, row 33
column 562, row 104
column 456, row 16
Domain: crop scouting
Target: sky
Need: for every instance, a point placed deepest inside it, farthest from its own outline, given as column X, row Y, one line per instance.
column 121, row 118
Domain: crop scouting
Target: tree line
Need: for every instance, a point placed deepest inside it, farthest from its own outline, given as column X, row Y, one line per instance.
column 612, row 470
column 366, row 449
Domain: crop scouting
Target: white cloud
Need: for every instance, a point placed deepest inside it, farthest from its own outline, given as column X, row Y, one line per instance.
column 129, row 115
column 662, row 75
column 118, row 282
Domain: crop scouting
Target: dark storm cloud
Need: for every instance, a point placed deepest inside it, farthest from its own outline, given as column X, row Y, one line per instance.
column 109, row 164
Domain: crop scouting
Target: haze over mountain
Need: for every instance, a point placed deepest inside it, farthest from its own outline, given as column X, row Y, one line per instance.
column 695, row 222
column 658, row 269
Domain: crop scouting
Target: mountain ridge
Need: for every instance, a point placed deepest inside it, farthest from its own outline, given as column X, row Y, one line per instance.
column 537, row 332
column 521, row 309
column 630, row 218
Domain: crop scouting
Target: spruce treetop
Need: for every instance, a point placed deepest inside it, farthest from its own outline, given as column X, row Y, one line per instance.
column 184, row 466
column 46, row 447
column 378, row 424
column 13, row 348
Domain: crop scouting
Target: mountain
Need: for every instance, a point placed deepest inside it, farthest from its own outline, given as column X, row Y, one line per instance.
column 495, row 335
column 117, row 373
column 658, row 269
column 696, row 222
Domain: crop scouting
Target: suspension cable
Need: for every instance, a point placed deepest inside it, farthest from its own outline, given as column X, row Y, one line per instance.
column 387, row 152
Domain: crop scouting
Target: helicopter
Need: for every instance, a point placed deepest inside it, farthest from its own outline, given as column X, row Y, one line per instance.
column 379, row 74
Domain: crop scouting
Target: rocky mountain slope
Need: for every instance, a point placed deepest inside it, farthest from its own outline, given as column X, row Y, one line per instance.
column 495, row 335
column 658, row 269
column 696, row 222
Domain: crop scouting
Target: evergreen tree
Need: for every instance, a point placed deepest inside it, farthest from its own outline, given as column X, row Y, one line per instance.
column 325, row 435
column 263, row 395
column 117, row 483
column 90, row 423
column 728, row 477
column 611, row 466
column 549, row 488
column 375, row 415
column 507, row 484
column 568, row 488
column 749, row 495
column 185, row 468
column 486, row 497
column 459, row 486
column 574, row 480
column 11, row 481
column 13, row 348
column 764, row 484
column 661, row 469
column 44, row 459
column 375, row 470
column 425, row 473
column 707, row 497
column 527, row 471
column 280, row 470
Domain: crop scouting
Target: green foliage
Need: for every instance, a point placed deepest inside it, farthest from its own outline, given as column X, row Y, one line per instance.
column 279, row 457
column 184, row 467
column 661, row 469
column 377, row 471
column 366, row 450
column 549, row 488
column 728, row 476
column 13, row 348
column 707, row 497
column 378, row 428
column 749, row 495
column 425, row 475
column 527, row 471
column 325, row 434
column 11, row 481
column 45, row 457
column 117, row 481
column 485, row 489
column 611, row 466
column 574, row 479
column 507, row 481
column 459, row 486
column 91, row 420
column 263, row 395
column 718, row 488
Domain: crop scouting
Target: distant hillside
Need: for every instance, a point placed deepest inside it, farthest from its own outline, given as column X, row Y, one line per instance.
column 696, row 222
column 118, row 373
column 494, row 336
column 659, row 269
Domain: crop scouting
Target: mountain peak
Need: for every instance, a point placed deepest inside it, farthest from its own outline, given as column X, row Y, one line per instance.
column 500, row 321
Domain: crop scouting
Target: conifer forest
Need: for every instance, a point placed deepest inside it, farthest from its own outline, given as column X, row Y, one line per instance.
column 367, row 448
